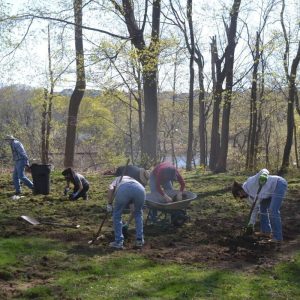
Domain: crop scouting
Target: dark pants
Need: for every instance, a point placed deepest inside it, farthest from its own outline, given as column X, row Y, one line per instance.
column 83, row 193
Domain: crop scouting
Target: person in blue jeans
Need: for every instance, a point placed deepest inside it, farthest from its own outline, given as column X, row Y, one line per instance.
column 21, row 161
column 122, row 193
column 270, row 191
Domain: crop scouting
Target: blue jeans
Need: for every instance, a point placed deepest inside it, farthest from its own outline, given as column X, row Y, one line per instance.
column 129, row 192
column 270, row 220
column 152, row 184
column 19, row 175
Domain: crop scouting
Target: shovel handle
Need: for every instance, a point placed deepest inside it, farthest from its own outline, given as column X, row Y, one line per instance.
column 60, row 225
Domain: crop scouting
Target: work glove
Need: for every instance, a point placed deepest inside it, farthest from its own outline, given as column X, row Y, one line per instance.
column 179, row 196
column 109, row 208
column 66, row 190
column 167, row 198
column 73, row 196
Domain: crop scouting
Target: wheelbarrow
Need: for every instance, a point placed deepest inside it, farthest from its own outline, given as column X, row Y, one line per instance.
column 168, row 213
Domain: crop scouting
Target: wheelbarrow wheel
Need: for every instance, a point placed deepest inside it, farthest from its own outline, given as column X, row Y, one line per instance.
column 178, row 218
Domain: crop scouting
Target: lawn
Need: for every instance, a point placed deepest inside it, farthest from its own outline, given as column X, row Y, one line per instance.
column 206, row 258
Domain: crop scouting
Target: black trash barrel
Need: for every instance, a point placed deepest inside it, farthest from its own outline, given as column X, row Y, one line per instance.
column 41, row 178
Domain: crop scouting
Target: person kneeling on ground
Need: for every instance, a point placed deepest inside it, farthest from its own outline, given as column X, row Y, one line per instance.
column 269, row 191
column 122, row 192
column 81, row 185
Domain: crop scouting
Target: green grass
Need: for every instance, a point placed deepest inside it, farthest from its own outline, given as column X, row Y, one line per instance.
column 122, row 275
column 40, row 266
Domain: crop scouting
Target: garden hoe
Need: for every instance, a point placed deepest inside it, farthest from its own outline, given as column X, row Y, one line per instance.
column 34, row 221
column 97, row 236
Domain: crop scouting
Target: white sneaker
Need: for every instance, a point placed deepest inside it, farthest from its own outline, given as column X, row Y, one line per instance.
column 139, row 243
column 15, row 197
column 116, row 245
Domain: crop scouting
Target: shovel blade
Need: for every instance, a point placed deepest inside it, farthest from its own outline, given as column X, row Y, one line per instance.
column 31, row 220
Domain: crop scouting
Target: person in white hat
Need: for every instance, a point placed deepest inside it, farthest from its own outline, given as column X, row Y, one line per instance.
column 20, row 159
column 269, row 191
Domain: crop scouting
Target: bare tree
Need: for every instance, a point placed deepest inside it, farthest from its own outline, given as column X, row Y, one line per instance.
column 79, row 90
column 257, row 53
column 229, row 62
column 148, row 57
column 189, row 155
column 218, row 77
column 195, row 56
column 292, row 93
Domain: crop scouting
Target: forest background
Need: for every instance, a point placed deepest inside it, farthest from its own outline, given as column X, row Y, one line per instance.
column 211, row 84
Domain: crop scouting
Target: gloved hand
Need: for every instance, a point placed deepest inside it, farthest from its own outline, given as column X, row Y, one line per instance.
column 109, row 208
column 167, row 198
column 66, row 190
column 179, row 196
column 73, row 196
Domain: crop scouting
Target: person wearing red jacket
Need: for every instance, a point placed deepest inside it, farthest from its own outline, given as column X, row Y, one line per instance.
column 161, row 181
column 162, row 178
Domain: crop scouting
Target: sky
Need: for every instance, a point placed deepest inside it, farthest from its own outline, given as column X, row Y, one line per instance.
column 29, row 65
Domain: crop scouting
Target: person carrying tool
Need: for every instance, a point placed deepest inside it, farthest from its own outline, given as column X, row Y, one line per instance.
column 21, row 162
column 81, row 185
column 122, row 192
column 268, row 192
column 139, row 174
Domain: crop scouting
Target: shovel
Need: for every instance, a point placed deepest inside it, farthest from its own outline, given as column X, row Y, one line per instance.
column 248, row 230
column 97, row 235
column 34, row 221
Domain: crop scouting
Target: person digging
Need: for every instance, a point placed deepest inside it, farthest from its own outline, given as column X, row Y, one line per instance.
column 122, row 192
column 266, row 192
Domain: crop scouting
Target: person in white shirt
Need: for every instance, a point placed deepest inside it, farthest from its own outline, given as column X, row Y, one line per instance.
column 269, row 191
column 122, row 192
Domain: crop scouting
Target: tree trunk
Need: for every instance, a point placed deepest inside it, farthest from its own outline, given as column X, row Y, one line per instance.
column 173, row 129
column 228, row 67
column 217, row 78
column 202, row 120
column 189, row 155
column 290, row 113
column 148, row 57
column 253, row 108
column 50, row 99
column 79, row 90
column 43, row 128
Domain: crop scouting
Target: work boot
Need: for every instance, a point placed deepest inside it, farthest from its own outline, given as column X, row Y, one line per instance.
column 263, row 234
column 116, row 245
column 139, row 244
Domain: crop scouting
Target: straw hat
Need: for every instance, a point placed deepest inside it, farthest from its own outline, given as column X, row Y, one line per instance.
column 9, row 137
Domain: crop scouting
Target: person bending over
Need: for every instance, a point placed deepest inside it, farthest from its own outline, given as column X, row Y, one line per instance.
column 122, row 192
column 269, row 191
